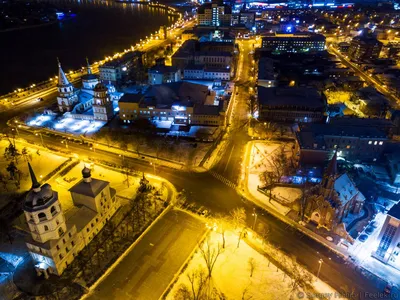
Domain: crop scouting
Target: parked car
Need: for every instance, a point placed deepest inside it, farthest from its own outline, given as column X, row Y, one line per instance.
column 363, row 237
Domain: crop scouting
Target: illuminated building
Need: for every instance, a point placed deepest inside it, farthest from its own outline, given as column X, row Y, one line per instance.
column 79, row 103
column 292, row 104
column 266, row 74
column 214, row 14
column 335, row 198
column 244, row 18
column 181, row 103
column 389, row 239
column 56, row 238
column 115, row 70
column 160, row 74
column 206, row 73
column 293, row 42
column 364, row 48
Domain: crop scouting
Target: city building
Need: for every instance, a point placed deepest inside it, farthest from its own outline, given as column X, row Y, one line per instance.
column 215, row 13
column 266, row 73
column 115, row 70
column 57, row 237
column 290, row 104
column 189, row 54
column 363, row 48
column 180, row 103
column 206, row 73
column 245, row 18
column 352, row 140
column 389, row 239
column 160, row 74
column 334, row 198
column 344, row 47
column 302, row 42
column 94, row 101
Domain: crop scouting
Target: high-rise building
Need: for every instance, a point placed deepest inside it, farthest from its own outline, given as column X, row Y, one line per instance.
column 215, row 13
column 364, row 48
column 294, row 42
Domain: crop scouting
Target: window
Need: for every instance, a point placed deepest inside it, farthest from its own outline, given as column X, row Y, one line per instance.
column 58, row 247
column 370, row 142
column 53, row 211
column 64, row 241
column 60, row 231
column 87, row 229
column 42, row 217
column 70, row 235
column 381, row 143
column 73, row 243
column 46, row 228
column 60, row 256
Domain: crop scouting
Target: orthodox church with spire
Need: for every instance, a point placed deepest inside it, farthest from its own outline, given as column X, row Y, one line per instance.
column 334, row 198
column 94, row 101
column 58, row 236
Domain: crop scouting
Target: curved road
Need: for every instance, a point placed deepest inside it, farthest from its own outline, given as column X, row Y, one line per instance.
column 205, row 190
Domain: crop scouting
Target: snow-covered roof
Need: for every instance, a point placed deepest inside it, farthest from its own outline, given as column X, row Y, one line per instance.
column 91, row 189
column 346, row 190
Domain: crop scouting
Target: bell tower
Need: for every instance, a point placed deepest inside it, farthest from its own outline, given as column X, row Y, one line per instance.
column 102, row 104
column 43, row 212
column 67, row 97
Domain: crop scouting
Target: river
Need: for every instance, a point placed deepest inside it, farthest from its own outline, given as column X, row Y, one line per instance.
column 99, row 28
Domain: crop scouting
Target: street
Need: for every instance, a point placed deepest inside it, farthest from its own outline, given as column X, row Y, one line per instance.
column 135, row 276
column 151, row 265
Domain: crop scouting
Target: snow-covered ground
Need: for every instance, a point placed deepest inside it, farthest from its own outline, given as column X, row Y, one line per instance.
column 117, row 180
column 231, row 274
column 259, row 155
column 362, row 252
column 42, row 163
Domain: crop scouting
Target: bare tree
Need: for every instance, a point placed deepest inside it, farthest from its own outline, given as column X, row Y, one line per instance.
column 210, row 254
column 252, row 265
column 12, row 170
column 222, row 223
column 11, row 152
column 238, row 217
column 263, row 231
column 25, row 154
column 244, row 294
column 198, row 280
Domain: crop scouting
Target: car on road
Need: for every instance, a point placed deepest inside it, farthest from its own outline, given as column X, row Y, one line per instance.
column 363, row 237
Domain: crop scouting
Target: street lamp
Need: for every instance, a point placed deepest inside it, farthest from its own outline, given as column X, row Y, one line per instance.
column 41, row 137
column 123, row 157
column 320, row 261
column 66, row 143
column 254, row 214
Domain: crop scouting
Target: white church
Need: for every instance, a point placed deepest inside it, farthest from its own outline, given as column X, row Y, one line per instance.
column 57, row 237
column 94, row 101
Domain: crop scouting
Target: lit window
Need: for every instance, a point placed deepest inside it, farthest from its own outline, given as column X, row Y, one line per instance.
column 375, row 143
column 380, row 143
column 370, row 142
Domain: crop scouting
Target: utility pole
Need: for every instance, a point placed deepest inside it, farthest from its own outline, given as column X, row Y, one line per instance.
column 254, row 214
column 320, row 261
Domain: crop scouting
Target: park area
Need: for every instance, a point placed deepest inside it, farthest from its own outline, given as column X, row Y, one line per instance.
column 246, row 269
column 14, row 174
column 268, row 163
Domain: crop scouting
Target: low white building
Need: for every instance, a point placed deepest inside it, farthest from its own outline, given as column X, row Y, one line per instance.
column 56, row 238
column 206, row 73
column 160, row 74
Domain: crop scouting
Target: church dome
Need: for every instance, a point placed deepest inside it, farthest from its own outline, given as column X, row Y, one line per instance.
column 86, row 172
column 100, row 87
column 35, row 200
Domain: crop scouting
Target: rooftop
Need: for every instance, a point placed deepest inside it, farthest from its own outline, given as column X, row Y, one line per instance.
column 160, row 69
column 292, row 96
column 131, row 98
column 179, row 93
column 395, row 211
column 80, row 216
column 91, row 189
column 296, row 35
